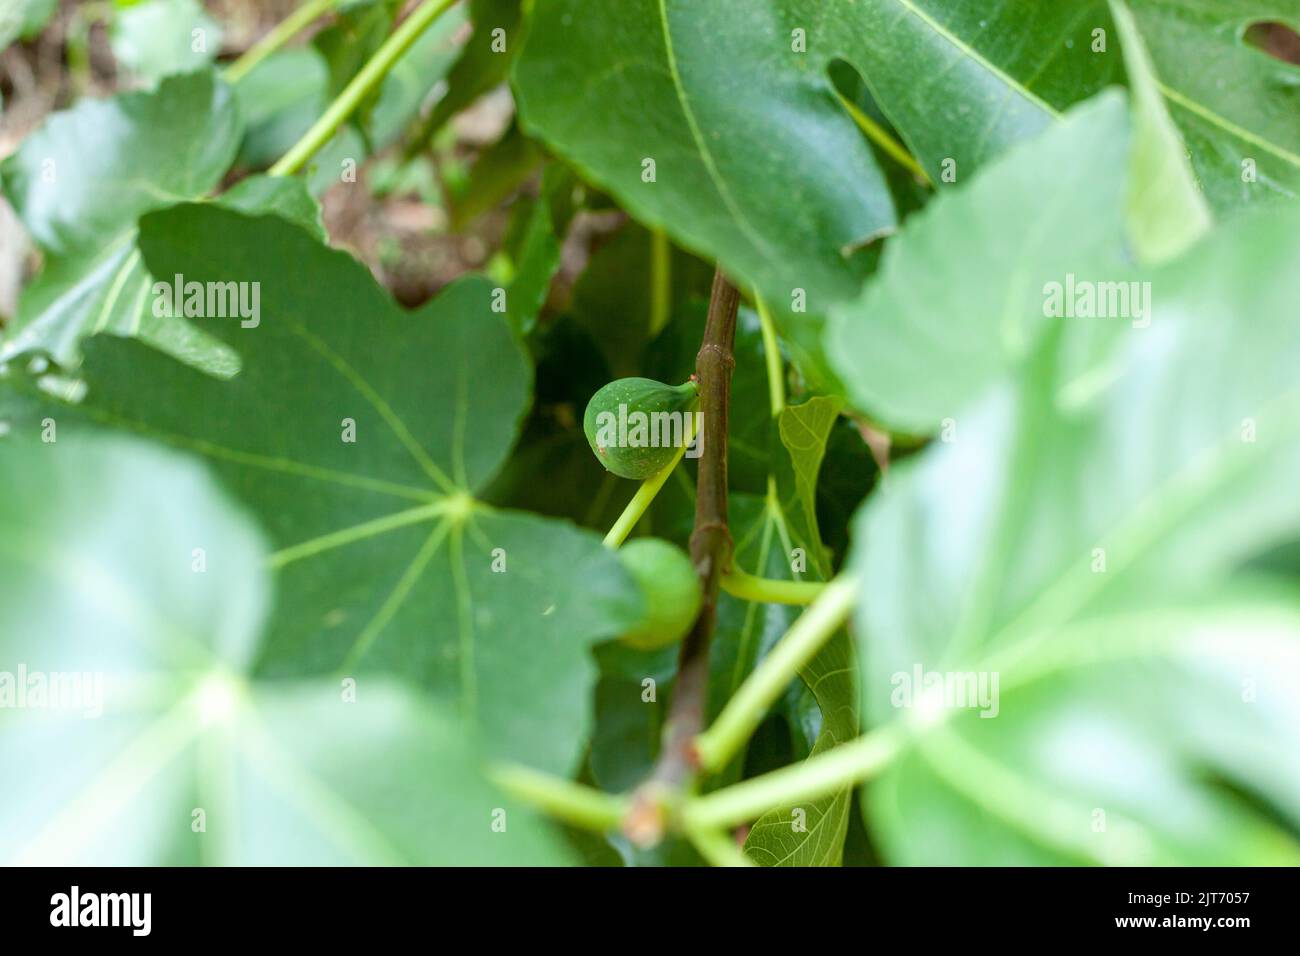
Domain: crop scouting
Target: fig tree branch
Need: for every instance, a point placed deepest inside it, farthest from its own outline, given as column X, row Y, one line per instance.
column 710, row 553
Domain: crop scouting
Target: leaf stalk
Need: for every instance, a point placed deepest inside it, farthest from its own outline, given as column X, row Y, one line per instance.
column 880, row 136
column 718, row 848
column 278, row 36
column 747, row 587
column 363, row 84
column 818, row 776
column 565, row 800
column 747, row 707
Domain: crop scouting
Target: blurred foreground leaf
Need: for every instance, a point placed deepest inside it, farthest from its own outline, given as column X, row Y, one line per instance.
column 358, row 434
column 125, row 569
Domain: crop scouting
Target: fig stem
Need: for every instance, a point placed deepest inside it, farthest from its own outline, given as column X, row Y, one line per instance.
column 818, row 776
column 646, row 494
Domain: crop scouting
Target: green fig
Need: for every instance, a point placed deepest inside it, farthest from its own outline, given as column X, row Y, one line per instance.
column 667, row 580
column 636, row 425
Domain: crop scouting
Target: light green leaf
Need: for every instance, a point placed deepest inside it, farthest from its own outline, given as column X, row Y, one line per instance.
column 384, row 560
column 356, row 31
column 336, row 160
column 810, row 833
column 112, row 291
column 157, row 38
column 1084, row 555
column 1166, row 211
column 755, row 161
column 155, row 148
column 94, row 279
column 804, row 430
column 536, row 234
column 961, row 293
column 275, row 195
column 23, row 19
column 130, row 582
column 283, row 95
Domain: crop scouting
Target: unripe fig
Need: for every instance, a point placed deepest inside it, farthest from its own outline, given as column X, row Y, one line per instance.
column 636, row 425
column 667, row 580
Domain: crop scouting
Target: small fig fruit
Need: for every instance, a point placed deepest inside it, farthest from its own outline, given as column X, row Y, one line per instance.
column 636, row 425
column 667, row 580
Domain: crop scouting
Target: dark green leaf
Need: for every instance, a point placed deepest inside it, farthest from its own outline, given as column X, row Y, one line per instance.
column 384, row 559
column 1236, row 106
column 499, row 171
column 992, row 76
column 756, row 163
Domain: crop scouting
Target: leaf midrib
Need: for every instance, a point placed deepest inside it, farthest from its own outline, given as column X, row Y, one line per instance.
column 1204, row 112
column 756, row 240
column 976, row 57
column 1173, row 95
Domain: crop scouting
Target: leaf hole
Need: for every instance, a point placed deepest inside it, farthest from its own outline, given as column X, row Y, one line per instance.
column 1274, row 39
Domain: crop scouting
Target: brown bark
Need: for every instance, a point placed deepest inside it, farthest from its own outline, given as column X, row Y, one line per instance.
column 711, row 554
